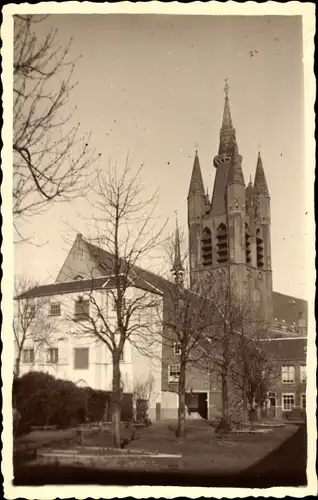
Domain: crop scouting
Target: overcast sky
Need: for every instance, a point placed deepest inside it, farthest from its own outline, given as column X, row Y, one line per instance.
column 153, row 86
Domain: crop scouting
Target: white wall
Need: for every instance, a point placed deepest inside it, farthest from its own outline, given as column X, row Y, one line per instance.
column 65, row 335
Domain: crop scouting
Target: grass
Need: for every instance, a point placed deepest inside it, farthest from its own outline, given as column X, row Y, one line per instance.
column 202, row 449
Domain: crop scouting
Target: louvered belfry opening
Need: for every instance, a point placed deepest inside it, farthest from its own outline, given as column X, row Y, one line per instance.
column 221, row 243
column 207, row 247
column 248, row 245
column 259, row 249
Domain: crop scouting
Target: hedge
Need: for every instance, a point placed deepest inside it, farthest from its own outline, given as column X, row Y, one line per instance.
column 43, row 400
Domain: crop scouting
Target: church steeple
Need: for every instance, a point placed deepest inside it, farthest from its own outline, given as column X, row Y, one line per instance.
column 227, row 132
column 196, row 182
column 177, row 268
column 227, row 119
column 260, row 184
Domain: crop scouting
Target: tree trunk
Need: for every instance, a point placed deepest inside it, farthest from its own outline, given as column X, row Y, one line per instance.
column 17, row 366
column 181, row 403
column 225, row 402
column 116, row 408
column 225, row 398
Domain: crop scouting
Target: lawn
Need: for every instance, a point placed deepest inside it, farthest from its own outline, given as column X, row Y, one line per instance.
column 201, row 450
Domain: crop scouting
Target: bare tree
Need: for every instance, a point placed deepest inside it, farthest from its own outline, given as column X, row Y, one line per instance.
column 50, row 160
column 143, row 394
column 236, row 355
column 255, row 369
column 31, row 322
column 187, row 322
column 126, row 227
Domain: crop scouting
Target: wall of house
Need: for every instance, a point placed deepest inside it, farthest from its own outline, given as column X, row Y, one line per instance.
column 138, row 362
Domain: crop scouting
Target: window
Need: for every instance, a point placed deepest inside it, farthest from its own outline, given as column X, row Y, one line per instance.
column 28, row 356
column 288, row 374
column 81, row 361
column 174, row 373
column 53, row 355
column 303, row 373
column 81, row 308
column 177, row 348
column 303, row 401
column 122, row 357
column 248, row 245
column 207, row 247
column 259, row 249
column 221, row 243
column 55, row 309
column 288, row 401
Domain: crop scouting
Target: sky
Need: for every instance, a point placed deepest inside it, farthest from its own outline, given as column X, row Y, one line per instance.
column 153, row 86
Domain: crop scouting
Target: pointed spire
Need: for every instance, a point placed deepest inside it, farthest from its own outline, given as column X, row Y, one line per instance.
column 227, row 119
column 227, row 132
column 196, row 183
column 235, row 175
column 177, row 267
column 249, row 193
column 260, row 184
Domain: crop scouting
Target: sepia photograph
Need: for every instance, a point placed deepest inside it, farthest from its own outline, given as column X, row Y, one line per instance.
column 162, row 269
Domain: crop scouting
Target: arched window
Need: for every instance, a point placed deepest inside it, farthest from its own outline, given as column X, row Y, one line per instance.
column 248, row 248
column 259, row 249
column 221, row 243
column 207, row 247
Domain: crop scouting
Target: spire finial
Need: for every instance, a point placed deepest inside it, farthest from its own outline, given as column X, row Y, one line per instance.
column 196, row 146
column 226, row 87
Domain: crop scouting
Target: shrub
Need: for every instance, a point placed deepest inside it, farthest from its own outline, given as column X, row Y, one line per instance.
column 44, row 400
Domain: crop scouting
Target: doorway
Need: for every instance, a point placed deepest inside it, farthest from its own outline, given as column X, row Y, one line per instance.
column 197, row 402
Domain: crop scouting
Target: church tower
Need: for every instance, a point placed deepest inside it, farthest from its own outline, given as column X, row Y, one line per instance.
column 229, row 237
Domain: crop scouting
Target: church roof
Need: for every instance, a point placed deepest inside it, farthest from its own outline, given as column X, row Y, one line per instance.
column 286, row 349
column 288, row 308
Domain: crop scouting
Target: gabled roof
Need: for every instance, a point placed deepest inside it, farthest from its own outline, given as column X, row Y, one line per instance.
column 87, row 285
column 105, row 261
